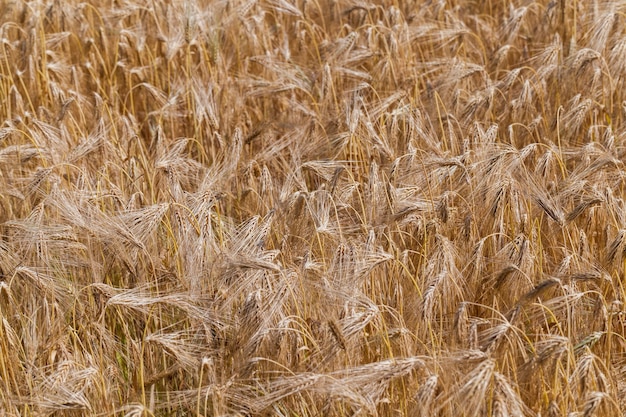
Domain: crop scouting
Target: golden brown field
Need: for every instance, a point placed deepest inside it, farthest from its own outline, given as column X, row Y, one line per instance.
column 312, row 208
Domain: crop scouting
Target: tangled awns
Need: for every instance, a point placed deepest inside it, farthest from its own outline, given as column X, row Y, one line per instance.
column 312, row 208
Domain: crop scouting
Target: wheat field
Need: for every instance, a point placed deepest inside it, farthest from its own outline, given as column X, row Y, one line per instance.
column 312, row 208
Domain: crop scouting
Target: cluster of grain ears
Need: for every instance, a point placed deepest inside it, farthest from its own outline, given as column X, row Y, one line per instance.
column 312, row 208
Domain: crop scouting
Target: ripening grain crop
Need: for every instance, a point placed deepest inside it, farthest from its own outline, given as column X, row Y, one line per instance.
column 312, row 208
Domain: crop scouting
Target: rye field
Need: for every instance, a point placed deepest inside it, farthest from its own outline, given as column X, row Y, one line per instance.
column 313, row 208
